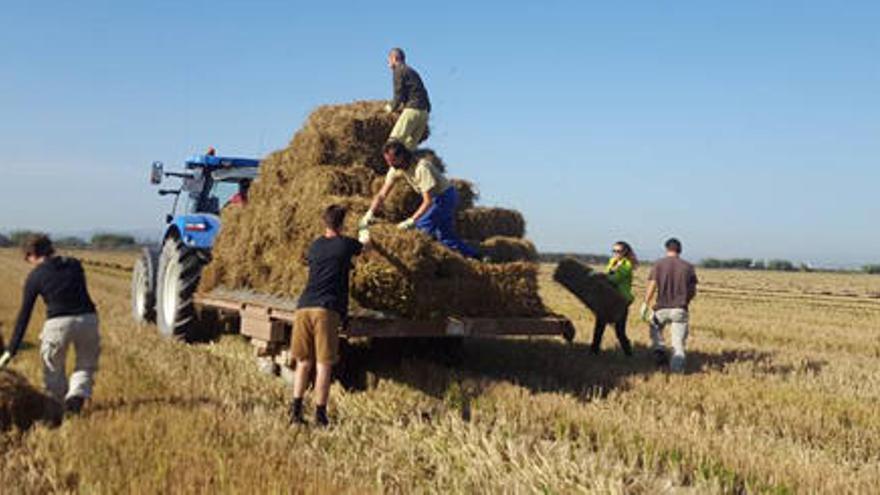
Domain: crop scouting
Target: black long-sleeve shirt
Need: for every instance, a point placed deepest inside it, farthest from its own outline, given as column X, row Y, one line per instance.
column 409, row 91
column 62, row 284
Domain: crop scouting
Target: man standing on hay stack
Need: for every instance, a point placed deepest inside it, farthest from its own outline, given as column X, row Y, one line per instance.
column 674, row 282
column 322, row 309
column 411, row 98
column 436, row 214
column 70, row 320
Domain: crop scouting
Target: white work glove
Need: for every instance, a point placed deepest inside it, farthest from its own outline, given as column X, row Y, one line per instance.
column 388, row 108
column 406, row 224
column 365, row 220
column 363, row 235
column 645, row 312
column 4, row 359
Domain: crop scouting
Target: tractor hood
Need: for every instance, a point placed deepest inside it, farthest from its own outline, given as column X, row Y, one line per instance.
column 197, row 230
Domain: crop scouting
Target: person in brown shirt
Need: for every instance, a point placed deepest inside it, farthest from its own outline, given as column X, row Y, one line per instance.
column 674, row 282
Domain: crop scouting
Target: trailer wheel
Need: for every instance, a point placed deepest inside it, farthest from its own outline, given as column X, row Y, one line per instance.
column 143, row 297
column 179, row 272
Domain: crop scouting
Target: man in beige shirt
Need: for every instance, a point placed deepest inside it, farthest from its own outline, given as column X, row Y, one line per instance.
column 436, row 213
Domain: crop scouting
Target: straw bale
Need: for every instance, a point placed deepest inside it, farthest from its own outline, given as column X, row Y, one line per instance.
column 593, row 289
column 481, row 223
column 345, row 135
column 21, row 405
column 411, row 275
column 336, row 158
column 500, row 249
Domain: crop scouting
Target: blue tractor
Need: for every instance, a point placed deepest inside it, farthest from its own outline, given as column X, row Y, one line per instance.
column 165, row 277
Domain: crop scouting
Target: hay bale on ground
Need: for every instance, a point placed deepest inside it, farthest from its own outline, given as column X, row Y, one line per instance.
column 500, row 249
column 593, row 289
column 481, row 223
column 21, row 405
column 336, row 158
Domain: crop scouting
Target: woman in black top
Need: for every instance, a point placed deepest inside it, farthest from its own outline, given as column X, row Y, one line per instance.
column 70, row 320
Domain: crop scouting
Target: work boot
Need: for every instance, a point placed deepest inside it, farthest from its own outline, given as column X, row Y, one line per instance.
column 321, row 416
column 660, row 358
column 73, row 405
column 296, row 412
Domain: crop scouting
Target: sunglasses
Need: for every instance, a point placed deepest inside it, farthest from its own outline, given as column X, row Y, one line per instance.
column 617, row 251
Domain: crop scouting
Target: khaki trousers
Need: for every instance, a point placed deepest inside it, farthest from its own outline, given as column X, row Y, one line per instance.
column 58, row 335
column 677, row 318
column 410, row 127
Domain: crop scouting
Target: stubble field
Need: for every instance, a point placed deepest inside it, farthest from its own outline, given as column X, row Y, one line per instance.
column 781, row 396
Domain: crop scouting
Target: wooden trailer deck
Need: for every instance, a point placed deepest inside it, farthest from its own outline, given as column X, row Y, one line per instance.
column 269, row 319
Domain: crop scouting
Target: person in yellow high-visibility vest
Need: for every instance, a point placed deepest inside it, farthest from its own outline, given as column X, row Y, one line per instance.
column 620, row 272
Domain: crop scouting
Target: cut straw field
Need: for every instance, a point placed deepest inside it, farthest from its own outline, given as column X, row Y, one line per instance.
column 782, row 396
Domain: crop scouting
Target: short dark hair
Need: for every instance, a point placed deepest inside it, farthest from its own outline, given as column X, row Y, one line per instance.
column 398, row 150
column 38, row 245
column 398, row 52
column 673, row 244
column 334, row 216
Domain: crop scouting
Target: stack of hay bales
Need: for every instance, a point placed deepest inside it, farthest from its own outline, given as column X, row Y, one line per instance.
column 21, row 405
column 593, row 289
column 336, row 158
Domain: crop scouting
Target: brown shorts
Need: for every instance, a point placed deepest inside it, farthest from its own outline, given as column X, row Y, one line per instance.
column 316, row 335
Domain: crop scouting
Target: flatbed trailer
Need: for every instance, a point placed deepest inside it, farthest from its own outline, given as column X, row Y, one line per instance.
column 268, row 322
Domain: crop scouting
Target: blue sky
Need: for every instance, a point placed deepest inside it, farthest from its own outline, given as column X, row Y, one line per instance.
column 745, row 128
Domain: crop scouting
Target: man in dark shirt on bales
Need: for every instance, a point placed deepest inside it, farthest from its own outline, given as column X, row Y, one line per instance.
column 674, row 282
column 323, row 307
column 411, row 99
column 70, row 320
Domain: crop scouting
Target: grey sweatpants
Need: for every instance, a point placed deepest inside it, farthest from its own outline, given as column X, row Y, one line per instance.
column 678, row 320
column 58, row 334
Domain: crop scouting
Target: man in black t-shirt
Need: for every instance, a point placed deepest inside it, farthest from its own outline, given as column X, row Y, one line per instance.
column 322, row 308
column 70, row 320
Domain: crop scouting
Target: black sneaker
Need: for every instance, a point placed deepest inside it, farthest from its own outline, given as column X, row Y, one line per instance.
column 296, row 413
column 73, row 405
column 321, row 417
column 660, row 358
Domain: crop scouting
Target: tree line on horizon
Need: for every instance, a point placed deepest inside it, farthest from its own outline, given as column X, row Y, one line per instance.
column 776, row 265
column 102, row 240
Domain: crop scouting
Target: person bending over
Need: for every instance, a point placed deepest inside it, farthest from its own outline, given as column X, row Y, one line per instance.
column 70, row 320
column 436, row 213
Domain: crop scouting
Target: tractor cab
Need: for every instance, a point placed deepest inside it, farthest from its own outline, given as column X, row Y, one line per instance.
column 209, row 184
column 216, row 181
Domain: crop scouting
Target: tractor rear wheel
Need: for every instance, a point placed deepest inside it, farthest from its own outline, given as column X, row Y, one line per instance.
column 143, row 297
column 180, row 269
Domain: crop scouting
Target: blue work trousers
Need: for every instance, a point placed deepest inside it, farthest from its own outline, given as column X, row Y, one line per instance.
column 439, row 222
